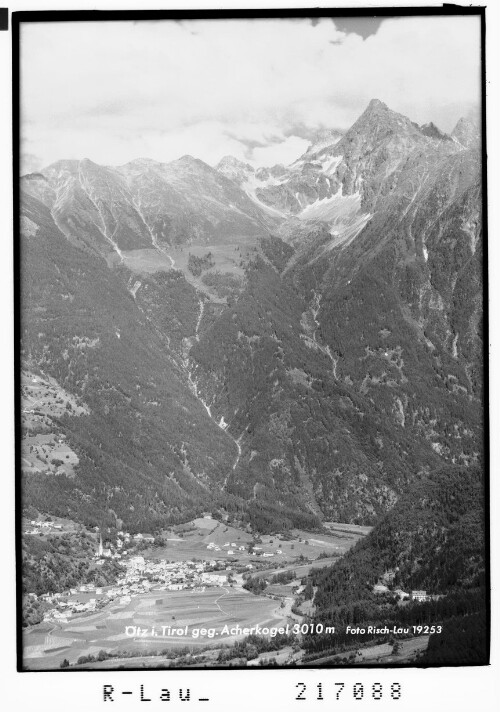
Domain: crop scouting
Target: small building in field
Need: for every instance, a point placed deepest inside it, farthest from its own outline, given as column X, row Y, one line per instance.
column 419, row 596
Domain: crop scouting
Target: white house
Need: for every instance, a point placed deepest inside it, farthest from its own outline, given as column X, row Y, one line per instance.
column 419, row 596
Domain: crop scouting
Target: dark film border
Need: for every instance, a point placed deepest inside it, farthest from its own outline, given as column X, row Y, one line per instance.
column 122, row 15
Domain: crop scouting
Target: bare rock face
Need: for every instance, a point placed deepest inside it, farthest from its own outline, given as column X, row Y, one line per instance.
column 366, row 162
column 433, row 131
column 467, row 133
column 236, row 170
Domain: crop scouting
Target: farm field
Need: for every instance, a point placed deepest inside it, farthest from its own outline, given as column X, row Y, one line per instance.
column 191, row 541
column 300, row 570
column 47, row 645
column 227, row 258
column 42, row 399
column 45, row 452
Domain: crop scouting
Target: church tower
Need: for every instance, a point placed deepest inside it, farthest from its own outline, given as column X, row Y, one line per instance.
column 99, row 551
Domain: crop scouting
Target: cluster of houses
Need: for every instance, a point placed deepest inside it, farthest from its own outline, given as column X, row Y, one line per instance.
column 233, row 548
column 257, row 550
column 40, row 526
column 230, row 546
column 415, row 595
column 110, row 551
column 141, row 576
column 173, row 576
column 65, row 605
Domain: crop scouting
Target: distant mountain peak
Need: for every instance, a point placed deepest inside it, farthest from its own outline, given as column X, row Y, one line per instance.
column 64, row 164
column 377, row 105
column 89, row 162
column 379, row 113
column 467, row 132
column 234, row 169
column 186, row 158
column 191, row 164
column 378, row 120
column 433, row 131
column 233, row 161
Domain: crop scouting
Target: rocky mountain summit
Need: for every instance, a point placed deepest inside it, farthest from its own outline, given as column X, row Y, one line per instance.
column 467, row 133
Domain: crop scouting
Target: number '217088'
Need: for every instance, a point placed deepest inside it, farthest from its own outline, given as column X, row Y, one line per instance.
column 358, row 691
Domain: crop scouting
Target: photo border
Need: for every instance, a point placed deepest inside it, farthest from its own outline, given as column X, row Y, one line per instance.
column 59, row 16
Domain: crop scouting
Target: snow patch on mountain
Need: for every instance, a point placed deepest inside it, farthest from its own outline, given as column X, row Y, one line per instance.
column 330, row 164
column 252, row 184
column 332, row 208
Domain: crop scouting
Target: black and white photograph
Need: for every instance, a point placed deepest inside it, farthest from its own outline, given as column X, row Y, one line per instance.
column 252, row 366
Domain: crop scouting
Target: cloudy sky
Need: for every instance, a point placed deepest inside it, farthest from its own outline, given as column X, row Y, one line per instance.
column 256, row 89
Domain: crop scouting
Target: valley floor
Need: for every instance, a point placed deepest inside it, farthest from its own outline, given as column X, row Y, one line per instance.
column 154, row 620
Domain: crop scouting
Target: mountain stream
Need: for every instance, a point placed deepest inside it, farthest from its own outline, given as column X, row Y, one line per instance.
column 193, row 385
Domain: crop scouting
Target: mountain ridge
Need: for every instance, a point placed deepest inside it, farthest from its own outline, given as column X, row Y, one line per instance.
column 308, row 314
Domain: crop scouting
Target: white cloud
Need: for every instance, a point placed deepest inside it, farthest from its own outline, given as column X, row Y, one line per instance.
column 115, row 91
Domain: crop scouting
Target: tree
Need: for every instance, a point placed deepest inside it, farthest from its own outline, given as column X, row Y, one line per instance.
column 64, row 663
column 308, row 591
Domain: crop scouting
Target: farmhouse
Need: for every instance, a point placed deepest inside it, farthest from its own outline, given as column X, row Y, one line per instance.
column 217, row 579
column 419, row 596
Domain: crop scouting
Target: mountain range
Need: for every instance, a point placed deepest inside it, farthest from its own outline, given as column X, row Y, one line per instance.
column 294, row 343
